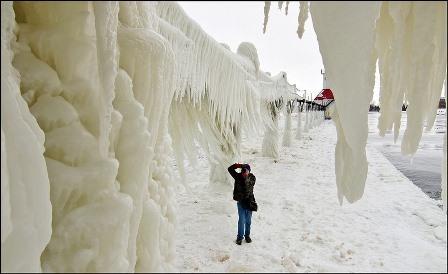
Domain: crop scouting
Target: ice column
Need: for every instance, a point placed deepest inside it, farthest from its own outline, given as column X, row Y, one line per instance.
column 299, row 121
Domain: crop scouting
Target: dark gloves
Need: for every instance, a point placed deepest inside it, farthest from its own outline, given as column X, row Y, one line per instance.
column 237, row 165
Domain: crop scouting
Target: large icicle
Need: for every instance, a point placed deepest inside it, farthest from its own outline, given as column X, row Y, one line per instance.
column 349, row 59
column 428, row 69
column 411, row 44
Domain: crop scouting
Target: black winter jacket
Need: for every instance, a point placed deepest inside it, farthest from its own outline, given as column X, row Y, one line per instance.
column 243, row 189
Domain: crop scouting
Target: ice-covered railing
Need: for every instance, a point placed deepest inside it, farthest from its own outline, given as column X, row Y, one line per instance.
column 214, row 93
column 275, row 92
column 291, row 101
column 409, row 41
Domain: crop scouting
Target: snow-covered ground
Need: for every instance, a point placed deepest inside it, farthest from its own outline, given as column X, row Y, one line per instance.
column 300, row 226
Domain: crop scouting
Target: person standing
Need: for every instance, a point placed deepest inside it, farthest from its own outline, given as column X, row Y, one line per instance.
column 244, row 195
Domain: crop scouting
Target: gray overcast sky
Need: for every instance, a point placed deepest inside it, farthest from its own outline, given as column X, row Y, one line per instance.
column 279, row 49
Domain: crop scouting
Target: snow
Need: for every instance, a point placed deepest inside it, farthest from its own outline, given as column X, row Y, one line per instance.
column 300, row 226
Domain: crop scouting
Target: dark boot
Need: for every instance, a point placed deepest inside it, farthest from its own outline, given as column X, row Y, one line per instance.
column 248, row 239
column 239, row 241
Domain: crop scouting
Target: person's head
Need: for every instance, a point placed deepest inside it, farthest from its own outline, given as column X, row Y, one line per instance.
column 245, row 170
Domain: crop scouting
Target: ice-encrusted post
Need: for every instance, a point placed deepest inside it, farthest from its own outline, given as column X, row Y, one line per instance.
column 271, row 135
column 287, row 130
column 306, row 126
column 299, row 121
column 444, row 162
column 222, row 159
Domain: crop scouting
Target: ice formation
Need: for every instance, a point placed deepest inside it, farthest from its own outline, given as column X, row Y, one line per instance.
column 444, row 163
column 409, row 41
column 205, row 74
column 286, row 8
column 267, row 6
column 25, row 188
column 306, row 108
column 289, row 108
column 94, row 98
column 275, row 92
column 280, row 5
column 303, row 15
column 299, row 121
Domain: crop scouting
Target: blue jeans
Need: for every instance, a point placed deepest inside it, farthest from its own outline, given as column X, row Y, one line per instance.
column 244, row 220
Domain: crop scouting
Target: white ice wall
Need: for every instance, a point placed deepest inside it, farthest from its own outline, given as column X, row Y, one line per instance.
column 25, row 188
column 96, row 77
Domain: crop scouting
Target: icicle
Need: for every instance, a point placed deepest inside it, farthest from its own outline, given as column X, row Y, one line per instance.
column 286, row 8
column 303, row 15
column 267, row 6
column 106, row 20
column 428, row 56
column 410, row 64
column 280, row 5
column 349, row 80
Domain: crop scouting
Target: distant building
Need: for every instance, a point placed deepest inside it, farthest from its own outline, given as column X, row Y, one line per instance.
column 324, row 98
